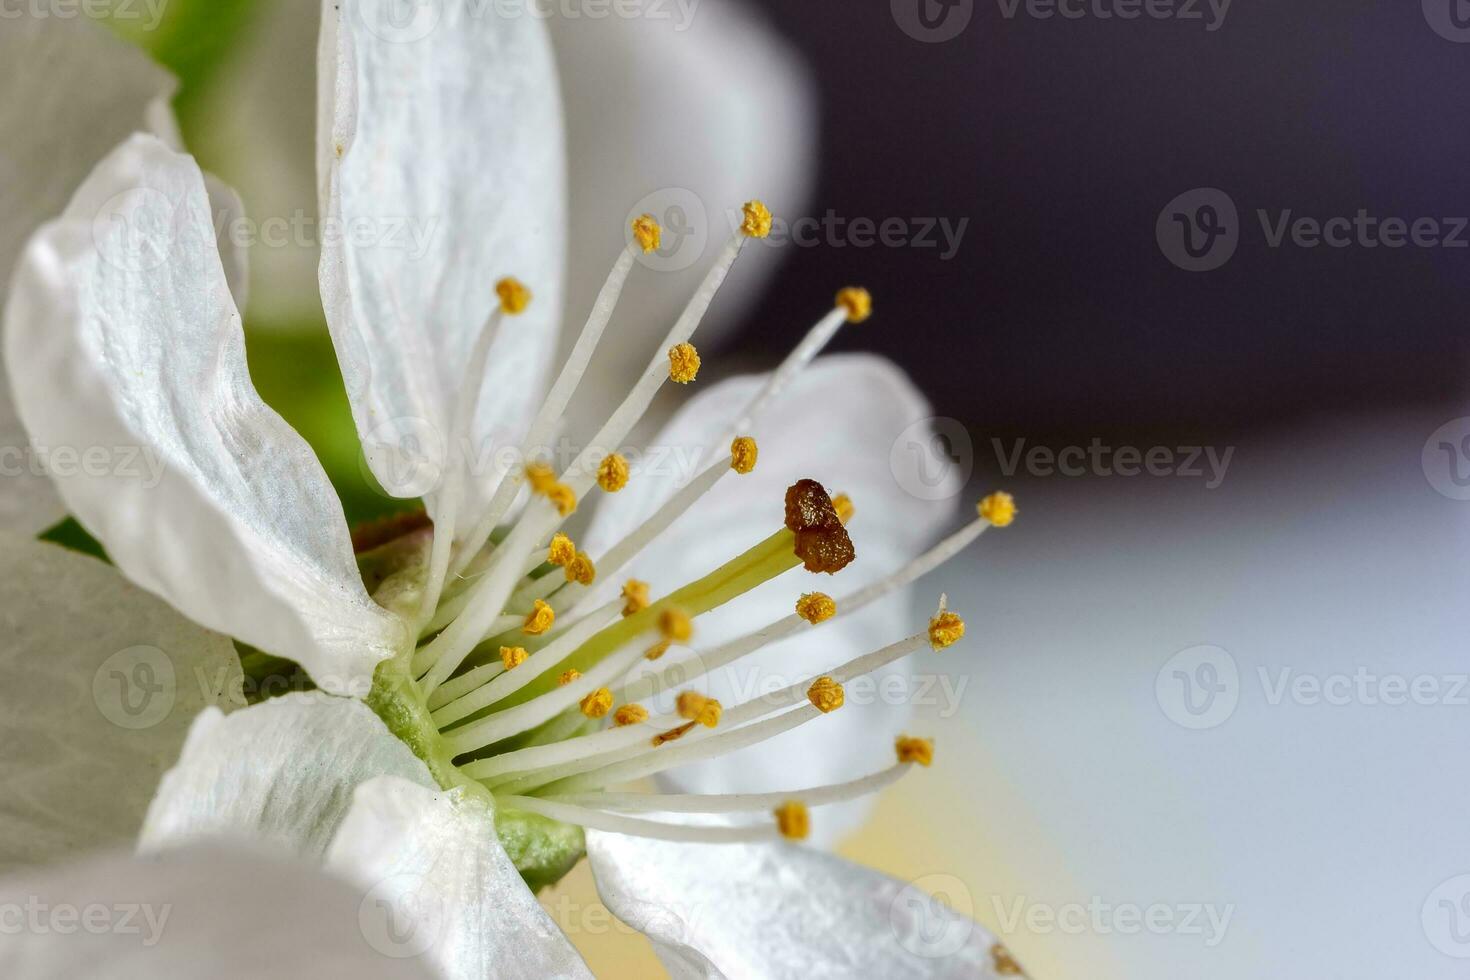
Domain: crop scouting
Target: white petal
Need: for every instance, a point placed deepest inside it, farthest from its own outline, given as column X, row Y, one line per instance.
column 444, row 888
column 281, row 772
column 200, row 912
column 443, row 154
column 228, row 213
column 98, row 684
column 699, row 107
column 836, row 424
column 58, row 122
column 781, row 912
column 126, row 355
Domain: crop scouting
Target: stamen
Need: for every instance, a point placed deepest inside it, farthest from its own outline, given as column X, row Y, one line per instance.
column 484, row 686
column 555, row 405
column 735, row 802
column 793, row 820
column 630, row 714
column 598, row 703
column 675, row 625
column 647, row 233
column 612, row 473
column 514, row 296
column 694, row 706
column 635, row 596
column 999, row 509
column 826, row 695
column 858, row 303
column 611, row 823
column 581, row 570
column 946, row 628
column 512, row 657
column 911, row 750
column 842, row 503
column 561, row 550
column 758, row 220
column 539, row 619
column 743, row 455
column 816, row 607
column 568, row 676
column 683, row 363
column 528, row 714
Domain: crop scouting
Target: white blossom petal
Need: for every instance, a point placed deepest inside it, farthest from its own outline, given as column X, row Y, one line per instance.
column 126, row 354
column 442, row 156
column 444, row 887
column 281, row 772
column 228, row 212
column 98, row 684
column 204, row 911
column 836, row 424
column 686, row 111
column 58, row 122
column 781, row 912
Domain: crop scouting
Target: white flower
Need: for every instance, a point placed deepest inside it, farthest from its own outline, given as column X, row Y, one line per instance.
column 457, row 748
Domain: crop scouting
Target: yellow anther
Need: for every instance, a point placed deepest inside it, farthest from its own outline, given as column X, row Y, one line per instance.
column 581, row 570
column 842, row 503
column 999, row 509
column 647, row 233
column 694, row 706
column 563, row 497
column 630, row 714
column 1005, row 964
column 635, row 596
column 793, row 820
column 743, row 453
column 612, row 473
column 539, row 619
column 826, row 695
column 683, row 363
column 568, row 676
column 920, row 750
column 816, row 607
column 561, row 551
column 657, row 650
column 675, row 624
column 673, row 734
column 945, row 630
column 513, row 657
column 541, row 476
column 598, row 703
column 757, row 223
column 514, row 296
column 857, row 302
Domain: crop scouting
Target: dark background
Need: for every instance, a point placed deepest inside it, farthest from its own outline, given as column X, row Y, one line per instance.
column 1063, row 140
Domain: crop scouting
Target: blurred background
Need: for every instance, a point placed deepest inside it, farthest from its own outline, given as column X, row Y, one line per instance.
column 1187, row 277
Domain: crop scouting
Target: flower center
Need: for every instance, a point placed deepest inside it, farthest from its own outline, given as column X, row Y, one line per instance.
column 533, row 677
